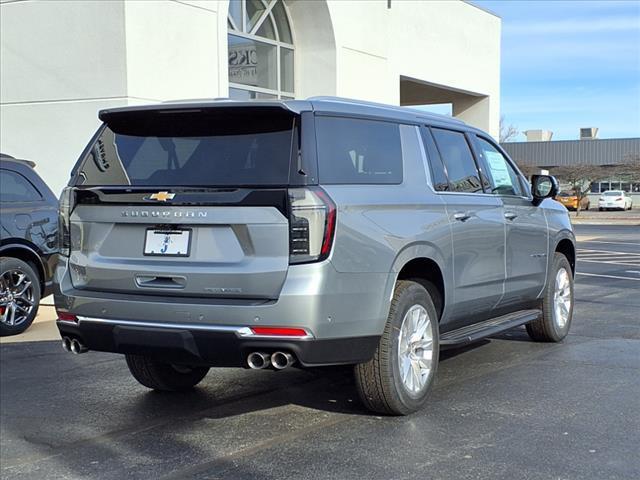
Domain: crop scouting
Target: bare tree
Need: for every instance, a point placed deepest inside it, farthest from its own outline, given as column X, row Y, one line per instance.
column 629, row 167
column 579, row 177
column 507, row 132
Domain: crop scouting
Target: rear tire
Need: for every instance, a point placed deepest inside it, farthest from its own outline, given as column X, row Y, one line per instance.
column 19, row 294
column 164, row 376
column 382, row 386
column 557, row 304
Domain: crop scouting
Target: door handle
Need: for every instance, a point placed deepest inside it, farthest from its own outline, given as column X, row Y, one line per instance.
column 510, row 215
column 462, row 216
column 152, row 281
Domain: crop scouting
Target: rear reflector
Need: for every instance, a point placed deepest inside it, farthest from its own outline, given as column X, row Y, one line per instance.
column 279, row 331
column 66, row 316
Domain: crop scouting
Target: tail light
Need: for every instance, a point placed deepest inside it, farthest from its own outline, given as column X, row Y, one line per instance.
column 618, row 199
column 312, row 224
column 65, row 207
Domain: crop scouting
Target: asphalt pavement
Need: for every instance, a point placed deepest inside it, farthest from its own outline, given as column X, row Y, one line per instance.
column 505, row 408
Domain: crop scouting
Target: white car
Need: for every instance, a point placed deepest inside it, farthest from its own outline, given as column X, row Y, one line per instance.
column 615, row 199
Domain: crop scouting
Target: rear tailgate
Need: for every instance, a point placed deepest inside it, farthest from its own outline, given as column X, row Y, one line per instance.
column 229, row 251
column 186, row 203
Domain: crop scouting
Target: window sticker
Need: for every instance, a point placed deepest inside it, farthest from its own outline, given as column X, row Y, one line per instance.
column 499, row 169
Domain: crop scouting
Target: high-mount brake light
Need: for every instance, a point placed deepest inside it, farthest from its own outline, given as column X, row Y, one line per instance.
column 312, row 224
column 279, row 331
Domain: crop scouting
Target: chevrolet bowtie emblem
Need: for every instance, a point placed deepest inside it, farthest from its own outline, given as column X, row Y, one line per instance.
column 162, row 196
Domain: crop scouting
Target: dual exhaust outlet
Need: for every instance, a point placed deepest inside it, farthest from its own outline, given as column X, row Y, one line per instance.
column 279, row 360
column 73, row 345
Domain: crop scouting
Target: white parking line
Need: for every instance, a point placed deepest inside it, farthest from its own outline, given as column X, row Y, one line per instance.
column 604, row 256
column 609, row 257
column 629, row 264
column 593, row 252
column 608, row 276
column 612, row 243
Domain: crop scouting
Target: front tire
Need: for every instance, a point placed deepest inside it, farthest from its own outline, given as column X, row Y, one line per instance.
column 19, row 295
column 164, row 376
column 557, row 304
column 397, row 380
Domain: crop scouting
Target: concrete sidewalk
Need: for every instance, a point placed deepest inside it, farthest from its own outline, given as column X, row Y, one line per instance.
column 595, row 217
column 43, row 328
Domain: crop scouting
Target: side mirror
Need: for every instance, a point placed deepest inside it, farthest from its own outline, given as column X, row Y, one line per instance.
column 543, row 186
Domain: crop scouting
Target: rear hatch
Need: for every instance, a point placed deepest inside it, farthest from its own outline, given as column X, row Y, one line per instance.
column 189, row 202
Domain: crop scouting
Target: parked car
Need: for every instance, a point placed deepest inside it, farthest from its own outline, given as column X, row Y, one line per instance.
column 272, row 234
column 28, row 243
column 570, row 201
column 615, row 199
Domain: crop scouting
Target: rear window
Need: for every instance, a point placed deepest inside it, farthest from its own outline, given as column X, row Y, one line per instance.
column 356, row 151
column 200, row 148
column 16, row 188
column 612, row 194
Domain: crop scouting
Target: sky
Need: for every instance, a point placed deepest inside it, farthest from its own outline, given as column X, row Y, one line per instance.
column 570, row 64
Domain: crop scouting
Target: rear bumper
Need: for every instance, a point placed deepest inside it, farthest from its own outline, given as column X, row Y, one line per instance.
column 219, row 346
column 344, row 313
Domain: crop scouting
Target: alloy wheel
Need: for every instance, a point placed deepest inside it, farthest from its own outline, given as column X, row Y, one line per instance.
column 16, row 297
column 415, row 349
column 562, row 298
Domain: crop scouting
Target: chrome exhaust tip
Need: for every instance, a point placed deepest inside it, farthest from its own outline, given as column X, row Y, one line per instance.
column 77, row 347
column 66, row 344
column 282, row 360
column 258, row 360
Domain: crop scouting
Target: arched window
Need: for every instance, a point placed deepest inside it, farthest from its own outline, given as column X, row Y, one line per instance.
column 260, row 50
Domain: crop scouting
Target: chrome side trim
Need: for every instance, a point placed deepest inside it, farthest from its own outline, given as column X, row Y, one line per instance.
column 138, row 323
column 243, row 332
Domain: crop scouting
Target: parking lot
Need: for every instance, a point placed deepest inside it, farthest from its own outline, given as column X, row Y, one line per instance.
column 503, row 408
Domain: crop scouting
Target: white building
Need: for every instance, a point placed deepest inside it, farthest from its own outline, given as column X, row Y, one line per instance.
column 62, row 61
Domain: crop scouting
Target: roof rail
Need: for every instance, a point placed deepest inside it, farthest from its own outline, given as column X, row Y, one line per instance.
column 395, row 108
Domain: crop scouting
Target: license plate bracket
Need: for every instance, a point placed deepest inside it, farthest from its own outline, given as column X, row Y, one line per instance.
column 162, row 242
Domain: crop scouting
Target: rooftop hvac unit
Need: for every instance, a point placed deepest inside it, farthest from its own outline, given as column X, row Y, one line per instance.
column 538, row 135
column 588, row 133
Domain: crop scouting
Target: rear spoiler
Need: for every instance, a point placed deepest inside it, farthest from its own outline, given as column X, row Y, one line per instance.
column 293, row 106
column 29, row 163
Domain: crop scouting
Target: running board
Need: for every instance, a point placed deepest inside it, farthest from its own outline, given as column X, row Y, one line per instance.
column 475, row 332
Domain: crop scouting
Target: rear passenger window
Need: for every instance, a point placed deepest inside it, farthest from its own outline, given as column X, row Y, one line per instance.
column 438, row 175
column 15, row 188
column 358, row 151
column 458, row 159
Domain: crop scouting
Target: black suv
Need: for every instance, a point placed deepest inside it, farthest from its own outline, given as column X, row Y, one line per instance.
column 28, row 243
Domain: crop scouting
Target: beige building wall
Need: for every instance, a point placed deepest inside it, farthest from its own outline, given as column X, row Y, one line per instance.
column 63, row 60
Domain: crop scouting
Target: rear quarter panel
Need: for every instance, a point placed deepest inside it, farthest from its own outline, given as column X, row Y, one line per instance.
column 382, row 227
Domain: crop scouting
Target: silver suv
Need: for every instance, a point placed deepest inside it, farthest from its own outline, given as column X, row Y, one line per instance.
column 304, row 233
